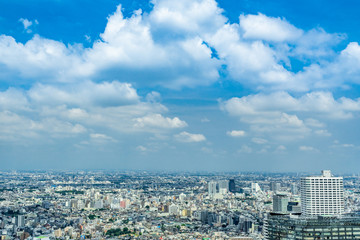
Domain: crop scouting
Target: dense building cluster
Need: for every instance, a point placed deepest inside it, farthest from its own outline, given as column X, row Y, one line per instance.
column 149, row 205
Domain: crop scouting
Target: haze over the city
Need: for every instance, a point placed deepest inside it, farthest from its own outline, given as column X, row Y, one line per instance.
column 180, row 85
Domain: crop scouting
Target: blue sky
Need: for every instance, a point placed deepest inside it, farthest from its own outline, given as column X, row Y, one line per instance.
column 179, row 85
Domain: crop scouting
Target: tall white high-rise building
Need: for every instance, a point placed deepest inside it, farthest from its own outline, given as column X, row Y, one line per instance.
column 322, row 195
column 255, row 187
column 212, row 188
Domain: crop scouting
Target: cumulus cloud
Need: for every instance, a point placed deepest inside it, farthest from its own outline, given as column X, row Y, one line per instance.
column 245, row 149
column 205, row 120
column 72, row 109
column 15, row 127
column 86, row 93
column 323, row 132
column 319, row 103
column 153, row 97
column 101, row 138
column 280, row 148
column 40, row 59
column 130, row 45
column 126, row 46
column 189, row 137
column 307, row 148
column 268, row 28
column 175, row 45
column 141, row 148
column 236, row 133
column 281, row 114
column 157, row 120
column 259, row 140
column 25, row 22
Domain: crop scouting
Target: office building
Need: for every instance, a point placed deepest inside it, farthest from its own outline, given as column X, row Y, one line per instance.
column 232, row 186
column 294, row 189
column 274, row 186
column 223, row 186
column 20, row 221
column 255, row 187
column 277, row 226
column 322, row 206
column 294, row 207
column 322, row 195
column 280, row 203
column 212, row 188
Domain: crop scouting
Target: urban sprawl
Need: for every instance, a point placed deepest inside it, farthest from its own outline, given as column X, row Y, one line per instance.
column 162, row 205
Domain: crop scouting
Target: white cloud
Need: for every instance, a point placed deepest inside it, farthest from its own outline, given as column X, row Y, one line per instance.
column 314, row 123
column 181, row 44
column 153, row 97
column 141, row 148
column 25, row 22
column 15, row 127
column 245, row 149
column 87, row 38
column 253, row 63
column 348, row 145
column 307, row 148
column 268, row 28
column 189, row 137
column 207, row 150
column 320, row 103
column 174, row 45
column 157, row 120
column 40, row 59
column 280, row 148
column 236, row 133
column 259, row 140
column 280, row 113
column 13, row 99
column 323, row 132
column 100, row 138
column 186, row 17
column 205, row 120
column 66, row 110
column 128, row 45
column 85, row 93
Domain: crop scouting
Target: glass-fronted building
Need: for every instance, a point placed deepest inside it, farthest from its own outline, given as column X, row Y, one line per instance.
column 281, row 227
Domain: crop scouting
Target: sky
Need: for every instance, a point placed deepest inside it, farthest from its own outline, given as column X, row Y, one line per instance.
column 190, row 85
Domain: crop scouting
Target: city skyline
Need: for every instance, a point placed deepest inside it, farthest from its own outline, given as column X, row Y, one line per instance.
column 186, row 85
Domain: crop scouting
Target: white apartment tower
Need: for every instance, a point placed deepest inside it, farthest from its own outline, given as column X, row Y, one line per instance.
column 322, row 195
column 212, row 188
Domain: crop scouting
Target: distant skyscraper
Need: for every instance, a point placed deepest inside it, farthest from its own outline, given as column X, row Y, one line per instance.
column 280, row 203
column 274, row 186
column 322, row 203
column 212, row 188
column 255, row 187
column 223, row 186
column 232, row 187
column 20, row 221
column 322, row 195
column 294, row 189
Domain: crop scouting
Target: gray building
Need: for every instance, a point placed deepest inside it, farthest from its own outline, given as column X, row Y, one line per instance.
column 280, row 203
column 277, row 227
column 275, row 186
